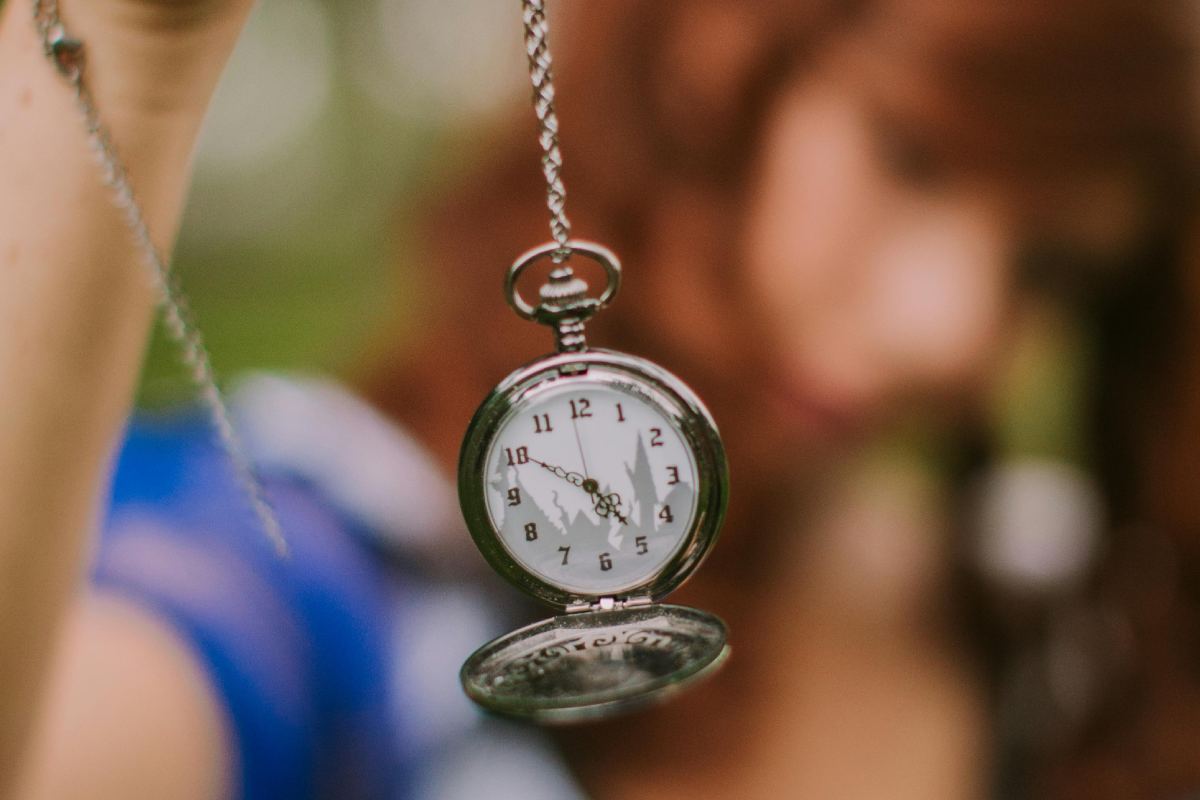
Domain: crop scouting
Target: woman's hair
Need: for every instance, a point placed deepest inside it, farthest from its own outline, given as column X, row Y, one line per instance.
column 663, row 107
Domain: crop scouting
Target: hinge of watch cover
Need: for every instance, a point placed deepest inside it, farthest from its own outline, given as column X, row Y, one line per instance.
column 609, row 604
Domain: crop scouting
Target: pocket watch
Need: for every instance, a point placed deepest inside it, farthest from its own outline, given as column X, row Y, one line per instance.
column 596, row 482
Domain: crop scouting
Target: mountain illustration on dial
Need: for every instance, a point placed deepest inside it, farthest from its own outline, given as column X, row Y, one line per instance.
column 549, row 512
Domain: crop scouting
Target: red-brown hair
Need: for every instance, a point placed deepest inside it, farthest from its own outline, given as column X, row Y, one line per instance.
column 661, row 108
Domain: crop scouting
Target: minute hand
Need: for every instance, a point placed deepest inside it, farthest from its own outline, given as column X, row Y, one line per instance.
column 605, row 504
column 573, row 478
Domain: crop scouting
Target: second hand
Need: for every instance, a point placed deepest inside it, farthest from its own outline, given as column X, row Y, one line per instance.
column 579, row 444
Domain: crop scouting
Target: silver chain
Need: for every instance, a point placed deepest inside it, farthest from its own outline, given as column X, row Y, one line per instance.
column 565, row 304
column 67, row 56
column 538, row 50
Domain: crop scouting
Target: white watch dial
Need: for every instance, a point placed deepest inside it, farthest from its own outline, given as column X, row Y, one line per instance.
column 590, row 488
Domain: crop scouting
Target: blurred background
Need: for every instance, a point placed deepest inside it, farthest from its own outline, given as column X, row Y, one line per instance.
column 330, row 120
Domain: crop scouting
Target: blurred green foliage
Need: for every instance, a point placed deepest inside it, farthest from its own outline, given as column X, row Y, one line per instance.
column 292, row 253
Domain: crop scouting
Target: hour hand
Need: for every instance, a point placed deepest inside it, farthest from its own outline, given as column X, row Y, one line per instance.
column 606, row 505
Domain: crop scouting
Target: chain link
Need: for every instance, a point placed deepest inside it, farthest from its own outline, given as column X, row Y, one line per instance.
column 538, row 50
column 67, row 54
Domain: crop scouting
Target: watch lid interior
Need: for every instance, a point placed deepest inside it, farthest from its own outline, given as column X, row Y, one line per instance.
column 595, row 663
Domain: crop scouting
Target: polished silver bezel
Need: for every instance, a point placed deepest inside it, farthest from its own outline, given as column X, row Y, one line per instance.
column 625, row 373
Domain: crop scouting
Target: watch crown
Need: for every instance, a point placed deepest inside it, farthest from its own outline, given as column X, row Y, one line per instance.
column 564, row 290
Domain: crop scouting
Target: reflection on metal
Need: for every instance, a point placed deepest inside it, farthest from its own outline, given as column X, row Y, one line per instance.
column 583, row 666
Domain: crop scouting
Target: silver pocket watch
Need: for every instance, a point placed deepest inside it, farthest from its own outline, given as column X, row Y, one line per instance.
column 595, row 482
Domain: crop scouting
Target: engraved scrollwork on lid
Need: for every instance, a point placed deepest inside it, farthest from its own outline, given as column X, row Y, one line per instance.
column 584, row 664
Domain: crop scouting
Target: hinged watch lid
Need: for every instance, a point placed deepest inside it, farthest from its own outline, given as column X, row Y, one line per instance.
column 579, row 666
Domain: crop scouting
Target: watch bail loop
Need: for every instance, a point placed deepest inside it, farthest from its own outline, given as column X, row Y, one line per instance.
column 564, row 303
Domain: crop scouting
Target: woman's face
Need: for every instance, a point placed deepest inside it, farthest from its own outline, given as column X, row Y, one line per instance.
column 877, row 293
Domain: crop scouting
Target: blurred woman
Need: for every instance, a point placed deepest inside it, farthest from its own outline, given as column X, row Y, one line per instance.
column 857, row 223
column 842, row 223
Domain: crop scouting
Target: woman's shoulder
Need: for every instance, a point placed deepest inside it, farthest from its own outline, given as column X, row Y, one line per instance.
column 343, row 657
column 297, row 649
column 300, row 430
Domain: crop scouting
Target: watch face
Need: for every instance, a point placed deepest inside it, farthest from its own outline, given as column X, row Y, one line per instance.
column 591, row 486
column 593, row 475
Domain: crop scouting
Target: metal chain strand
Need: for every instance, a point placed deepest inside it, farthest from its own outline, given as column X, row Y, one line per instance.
column 67, row 56
column 538, row 51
